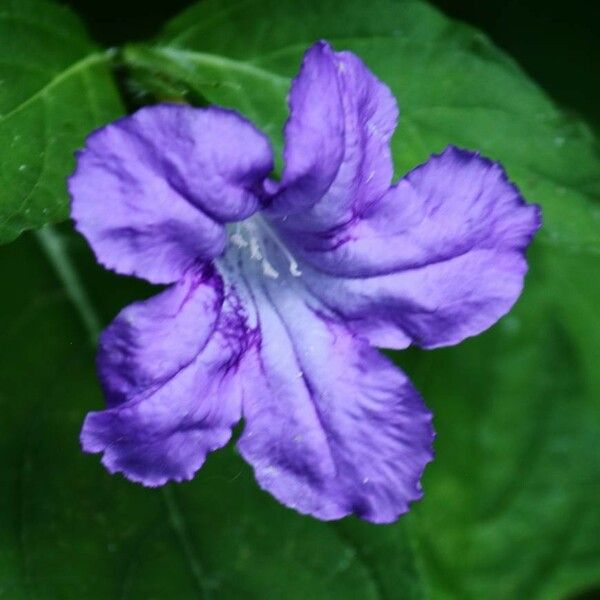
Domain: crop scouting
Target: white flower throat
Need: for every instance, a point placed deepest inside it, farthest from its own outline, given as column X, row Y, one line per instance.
column 255, row 235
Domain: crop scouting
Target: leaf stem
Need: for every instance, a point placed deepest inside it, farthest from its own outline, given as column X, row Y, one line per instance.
column 54, row 246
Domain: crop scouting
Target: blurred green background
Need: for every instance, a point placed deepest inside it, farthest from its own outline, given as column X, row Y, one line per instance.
column 511, row 507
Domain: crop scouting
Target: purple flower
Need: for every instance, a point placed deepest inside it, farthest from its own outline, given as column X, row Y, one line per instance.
column 279, row 291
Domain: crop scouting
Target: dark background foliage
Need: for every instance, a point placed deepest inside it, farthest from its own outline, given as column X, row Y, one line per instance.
column 556, row 42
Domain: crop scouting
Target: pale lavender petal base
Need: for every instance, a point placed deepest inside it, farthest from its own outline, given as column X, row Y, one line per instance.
column 332, row 428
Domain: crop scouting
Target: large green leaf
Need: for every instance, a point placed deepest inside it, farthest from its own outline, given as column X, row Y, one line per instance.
column 511, row 508
column 54, row 89
column 452, row 85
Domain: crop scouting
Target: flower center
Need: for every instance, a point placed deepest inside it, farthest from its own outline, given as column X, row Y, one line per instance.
column 257, row 237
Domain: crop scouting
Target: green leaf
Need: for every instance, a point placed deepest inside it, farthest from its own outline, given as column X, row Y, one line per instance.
column 55, row 88
column 511, row 501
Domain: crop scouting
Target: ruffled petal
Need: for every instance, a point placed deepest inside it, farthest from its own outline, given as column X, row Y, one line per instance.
column 337, row 157
column 169, row 367
column 332, row 428
column 440, row 258
column 151, row 191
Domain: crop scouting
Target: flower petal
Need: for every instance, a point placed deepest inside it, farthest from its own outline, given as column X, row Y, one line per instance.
column 332, row 427
column 337, row 157
column 169, row 368
column 439, row 258
column 151, row 191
